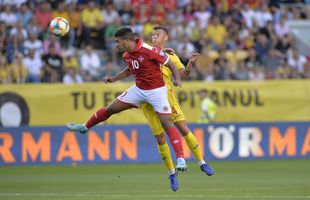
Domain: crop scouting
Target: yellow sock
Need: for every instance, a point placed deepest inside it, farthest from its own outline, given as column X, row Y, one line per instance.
column 192, row 143
column 164, row 152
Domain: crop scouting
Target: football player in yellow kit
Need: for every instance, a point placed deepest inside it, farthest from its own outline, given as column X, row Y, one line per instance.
column 159, row 38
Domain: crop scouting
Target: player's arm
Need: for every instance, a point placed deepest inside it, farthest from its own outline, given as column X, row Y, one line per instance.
column 185, row 72
column 123, row 74
column 177, row 78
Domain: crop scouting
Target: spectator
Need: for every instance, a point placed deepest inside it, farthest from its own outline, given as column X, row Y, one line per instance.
column 15, row 45
column 126, row 13
column 52, row 40
column 53, row 66
column 93, row 24
column 185, row 47
column 72, row 76
column 297, row 61
column 281, row 28
column 2, row 44
column 5, row 72
column 263, row 15
column 203, row 16
column 3, row 29
column 20, row 31
column 19, row 70
column 35, row 44
column 216, row 31
column 248, row 15
column 44, row 15
column 24, row 15
column 242, row 71
column 34, row 65
column 61, row 11
column 272, row 60
column 109, row 14
column 90, row 63
column 70, row 60
column 262, row 47
column 257, row 74
column 109, row 38
column 75, row 25
column 33, row 27
column 284, row 44
column 8, row 16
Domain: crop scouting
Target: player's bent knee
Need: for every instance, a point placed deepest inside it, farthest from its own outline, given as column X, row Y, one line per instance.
column 183, row 128
column 161, row 139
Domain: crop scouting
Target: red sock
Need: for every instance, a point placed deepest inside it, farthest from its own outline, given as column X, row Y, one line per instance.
column 99, row 116
column 175, row 141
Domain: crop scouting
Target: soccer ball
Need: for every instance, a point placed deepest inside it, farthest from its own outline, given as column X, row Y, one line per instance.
column 59, row 26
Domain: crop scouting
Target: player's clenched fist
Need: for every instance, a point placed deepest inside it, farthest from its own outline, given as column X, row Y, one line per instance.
column 177, row 83
column 193, row 57
column 108, row 79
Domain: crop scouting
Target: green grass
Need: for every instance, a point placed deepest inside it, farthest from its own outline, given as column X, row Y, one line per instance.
column 276, row 180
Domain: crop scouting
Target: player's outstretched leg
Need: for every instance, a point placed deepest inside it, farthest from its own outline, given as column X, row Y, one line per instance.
column 100, row 116
column 164, row 152
column 174, row 138
column 193, row 145
column 176, row 143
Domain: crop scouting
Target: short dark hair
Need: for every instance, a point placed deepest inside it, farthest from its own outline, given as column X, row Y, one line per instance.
column 125, row 33
column 161, row 28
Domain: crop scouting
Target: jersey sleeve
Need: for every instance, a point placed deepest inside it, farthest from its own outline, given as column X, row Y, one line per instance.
column 176, row 61
column 159, row 56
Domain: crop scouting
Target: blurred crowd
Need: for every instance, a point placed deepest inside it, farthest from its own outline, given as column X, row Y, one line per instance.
column 237, row 39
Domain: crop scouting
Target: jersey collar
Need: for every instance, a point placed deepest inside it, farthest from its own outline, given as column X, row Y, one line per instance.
column 139, row 45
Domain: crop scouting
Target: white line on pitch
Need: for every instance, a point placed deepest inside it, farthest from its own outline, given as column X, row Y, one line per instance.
column 88, row 194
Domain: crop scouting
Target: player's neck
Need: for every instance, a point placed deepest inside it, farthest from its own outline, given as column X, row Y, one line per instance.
column 161, row 45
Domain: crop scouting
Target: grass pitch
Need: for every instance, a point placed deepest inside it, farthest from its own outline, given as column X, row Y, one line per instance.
column 253, row 180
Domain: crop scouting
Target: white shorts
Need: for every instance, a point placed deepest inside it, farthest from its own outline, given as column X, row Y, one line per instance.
column 158, row 98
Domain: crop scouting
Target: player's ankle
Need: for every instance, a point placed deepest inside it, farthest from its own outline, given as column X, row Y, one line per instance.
column 201, row 162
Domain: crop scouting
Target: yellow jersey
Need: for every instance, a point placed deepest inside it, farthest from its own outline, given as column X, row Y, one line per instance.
column 167, row 73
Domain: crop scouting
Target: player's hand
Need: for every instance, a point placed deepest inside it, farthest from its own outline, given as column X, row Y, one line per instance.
column 193, row 57
column 108, row 79
column 177, row 83
column 168, row 51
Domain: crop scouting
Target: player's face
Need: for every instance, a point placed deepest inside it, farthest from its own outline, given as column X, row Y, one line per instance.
column 120, row 44
column 159, row 36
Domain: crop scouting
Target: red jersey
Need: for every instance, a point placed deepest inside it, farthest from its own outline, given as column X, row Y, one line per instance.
column 145, row 65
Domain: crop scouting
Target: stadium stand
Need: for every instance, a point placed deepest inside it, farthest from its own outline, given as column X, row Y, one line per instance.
column 238, row 39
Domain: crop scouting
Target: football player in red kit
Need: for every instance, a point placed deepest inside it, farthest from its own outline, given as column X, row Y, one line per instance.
column 144, row 63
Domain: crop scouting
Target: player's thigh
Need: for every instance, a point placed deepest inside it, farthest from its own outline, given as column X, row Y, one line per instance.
column 131, row 96
column 152, row 118
column 117, row 106
column 158, row 98
column 165, row 120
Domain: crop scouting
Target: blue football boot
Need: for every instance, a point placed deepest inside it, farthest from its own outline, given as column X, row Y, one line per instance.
column 207, row 169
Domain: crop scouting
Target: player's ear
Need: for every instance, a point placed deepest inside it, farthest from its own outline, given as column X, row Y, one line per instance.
column 166, row 37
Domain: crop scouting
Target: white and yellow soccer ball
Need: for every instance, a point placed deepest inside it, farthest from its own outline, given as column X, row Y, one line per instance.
column 59, row 26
